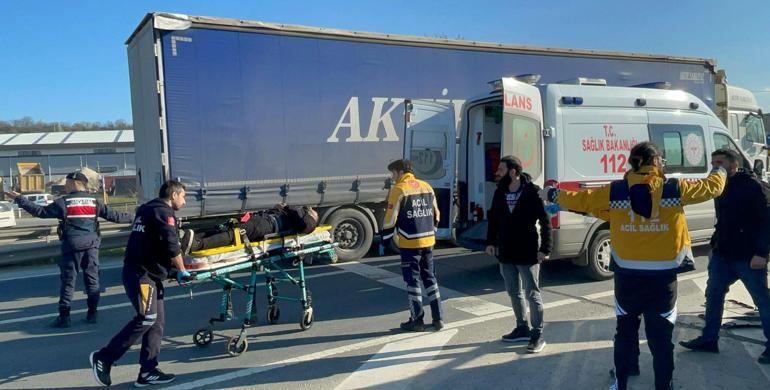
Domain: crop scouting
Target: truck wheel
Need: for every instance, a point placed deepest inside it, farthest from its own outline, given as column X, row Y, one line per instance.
column 353, row 232
column 598, row 256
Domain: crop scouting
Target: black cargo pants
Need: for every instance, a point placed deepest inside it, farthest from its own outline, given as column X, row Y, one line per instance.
column 654, row 297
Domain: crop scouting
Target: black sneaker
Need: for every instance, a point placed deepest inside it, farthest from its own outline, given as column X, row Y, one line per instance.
column 186, row 240
column 764, row 358
column 521, row 333
column 413, row 326
column 536, row 343
column 154, row 377
column 438, row 325
column 101, row 369
column 700, row 344
column 61, row 321
column 92, row 317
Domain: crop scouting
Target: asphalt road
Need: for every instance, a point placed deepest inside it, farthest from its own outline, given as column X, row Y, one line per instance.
column 354, row 342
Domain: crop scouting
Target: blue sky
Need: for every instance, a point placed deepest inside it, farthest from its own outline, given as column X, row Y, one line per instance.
column 66, row 60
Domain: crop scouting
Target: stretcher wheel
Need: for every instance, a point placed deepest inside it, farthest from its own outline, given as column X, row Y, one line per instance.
column 203, row 337
column 307, row 319
column 237, row 345
column 333, row 258
column 273, row 314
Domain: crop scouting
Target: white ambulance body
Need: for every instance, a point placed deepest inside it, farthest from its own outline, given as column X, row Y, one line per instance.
column 578, row 137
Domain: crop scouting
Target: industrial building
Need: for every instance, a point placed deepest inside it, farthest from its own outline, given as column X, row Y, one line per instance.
column 109, row 152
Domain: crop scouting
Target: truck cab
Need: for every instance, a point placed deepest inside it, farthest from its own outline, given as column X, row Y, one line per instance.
column 576, row 135
column 739, row 111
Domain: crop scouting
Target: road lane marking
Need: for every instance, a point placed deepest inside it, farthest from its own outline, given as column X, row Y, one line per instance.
column 391, row 279
column 398, row 363
column 168, row 298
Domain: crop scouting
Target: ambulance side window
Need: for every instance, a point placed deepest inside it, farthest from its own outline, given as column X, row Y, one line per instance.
column 429, row 150
column 683, row 147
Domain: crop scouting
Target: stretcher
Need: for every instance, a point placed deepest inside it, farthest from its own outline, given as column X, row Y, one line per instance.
column 263, row 257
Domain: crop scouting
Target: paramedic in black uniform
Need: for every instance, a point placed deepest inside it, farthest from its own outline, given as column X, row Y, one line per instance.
column 78, row 213
column 152, row 250
column 281, row 219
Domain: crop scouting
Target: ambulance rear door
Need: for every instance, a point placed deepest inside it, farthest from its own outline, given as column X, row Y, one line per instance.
column 429, row 142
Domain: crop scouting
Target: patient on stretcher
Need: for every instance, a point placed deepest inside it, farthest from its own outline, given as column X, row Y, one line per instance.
column 282, row 219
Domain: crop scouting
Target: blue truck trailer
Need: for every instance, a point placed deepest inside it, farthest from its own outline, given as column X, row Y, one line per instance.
column 249, row 114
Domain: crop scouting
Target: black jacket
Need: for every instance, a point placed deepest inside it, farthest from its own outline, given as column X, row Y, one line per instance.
column 743, row 219
column 515, row 234
column 154, row 240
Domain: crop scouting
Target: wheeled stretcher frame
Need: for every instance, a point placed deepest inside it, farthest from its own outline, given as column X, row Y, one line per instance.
column 267, row 263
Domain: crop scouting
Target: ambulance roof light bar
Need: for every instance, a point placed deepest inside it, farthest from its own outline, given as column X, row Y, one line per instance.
column 529, row 78
column 655, row 85
column 585, row 81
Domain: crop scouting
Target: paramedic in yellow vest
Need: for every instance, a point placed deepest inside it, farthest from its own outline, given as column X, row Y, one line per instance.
column 649, row 241
column 411, row 216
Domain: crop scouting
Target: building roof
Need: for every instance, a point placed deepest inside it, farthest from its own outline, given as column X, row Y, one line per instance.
column 67, row 138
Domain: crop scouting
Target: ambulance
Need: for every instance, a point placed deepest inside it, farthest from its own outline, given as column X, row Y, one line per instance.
column 575, row 135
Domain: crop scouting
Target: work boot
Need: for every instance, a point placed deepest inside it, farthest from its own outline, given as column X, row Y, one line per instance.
column 701, row 344
column 438, row 325
column 63, row 320
column 413, row 325
column 93, row 303
column 92, row 316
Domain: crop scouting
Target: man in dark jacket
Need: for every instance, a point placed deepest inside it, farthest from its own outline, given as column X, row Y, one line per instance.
column 78, row 213
column 153, row 249
column 739, row 250
column 512, row 238
column 280, row 220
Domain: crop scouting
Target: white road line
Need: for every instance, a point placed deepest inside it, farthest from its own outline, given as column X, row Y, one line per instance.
column 390, row 279
column 127, row 304
column 460, row 301
column 31, row 274
column 397, row 362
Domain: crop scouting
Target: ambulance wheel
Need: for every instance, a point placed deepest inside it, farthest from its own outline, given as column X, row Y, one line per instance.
column 307, row 319
column 203, row 337
column 598, row 256
column 353, row 233
column 237, row 345
column 273, row 314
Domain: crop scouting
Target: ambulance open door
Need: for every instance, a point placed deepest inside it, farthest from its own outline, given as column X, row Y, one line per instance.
column 429, row 142
column 522, row 134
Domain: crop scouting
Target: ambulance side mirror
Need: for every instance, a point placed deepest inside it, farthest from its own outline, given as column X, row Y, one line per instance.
column 759, row 168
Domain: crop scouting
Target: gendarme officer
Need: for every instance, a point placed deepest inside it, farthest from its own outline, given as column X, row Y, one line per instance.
column 78, row 213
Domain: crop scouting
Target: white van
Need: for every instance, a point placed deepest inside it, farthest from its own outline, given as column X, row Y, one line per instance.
column 578, row 136
column 39, row 199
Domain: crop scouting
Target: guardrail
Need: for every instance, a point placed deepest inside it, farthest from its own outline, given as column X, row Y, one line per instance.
column 22, row 252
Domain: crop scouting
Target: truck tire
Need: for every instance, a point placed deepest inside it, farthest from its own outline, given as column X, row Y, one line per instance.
column 353, row 232
column 598, row 256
